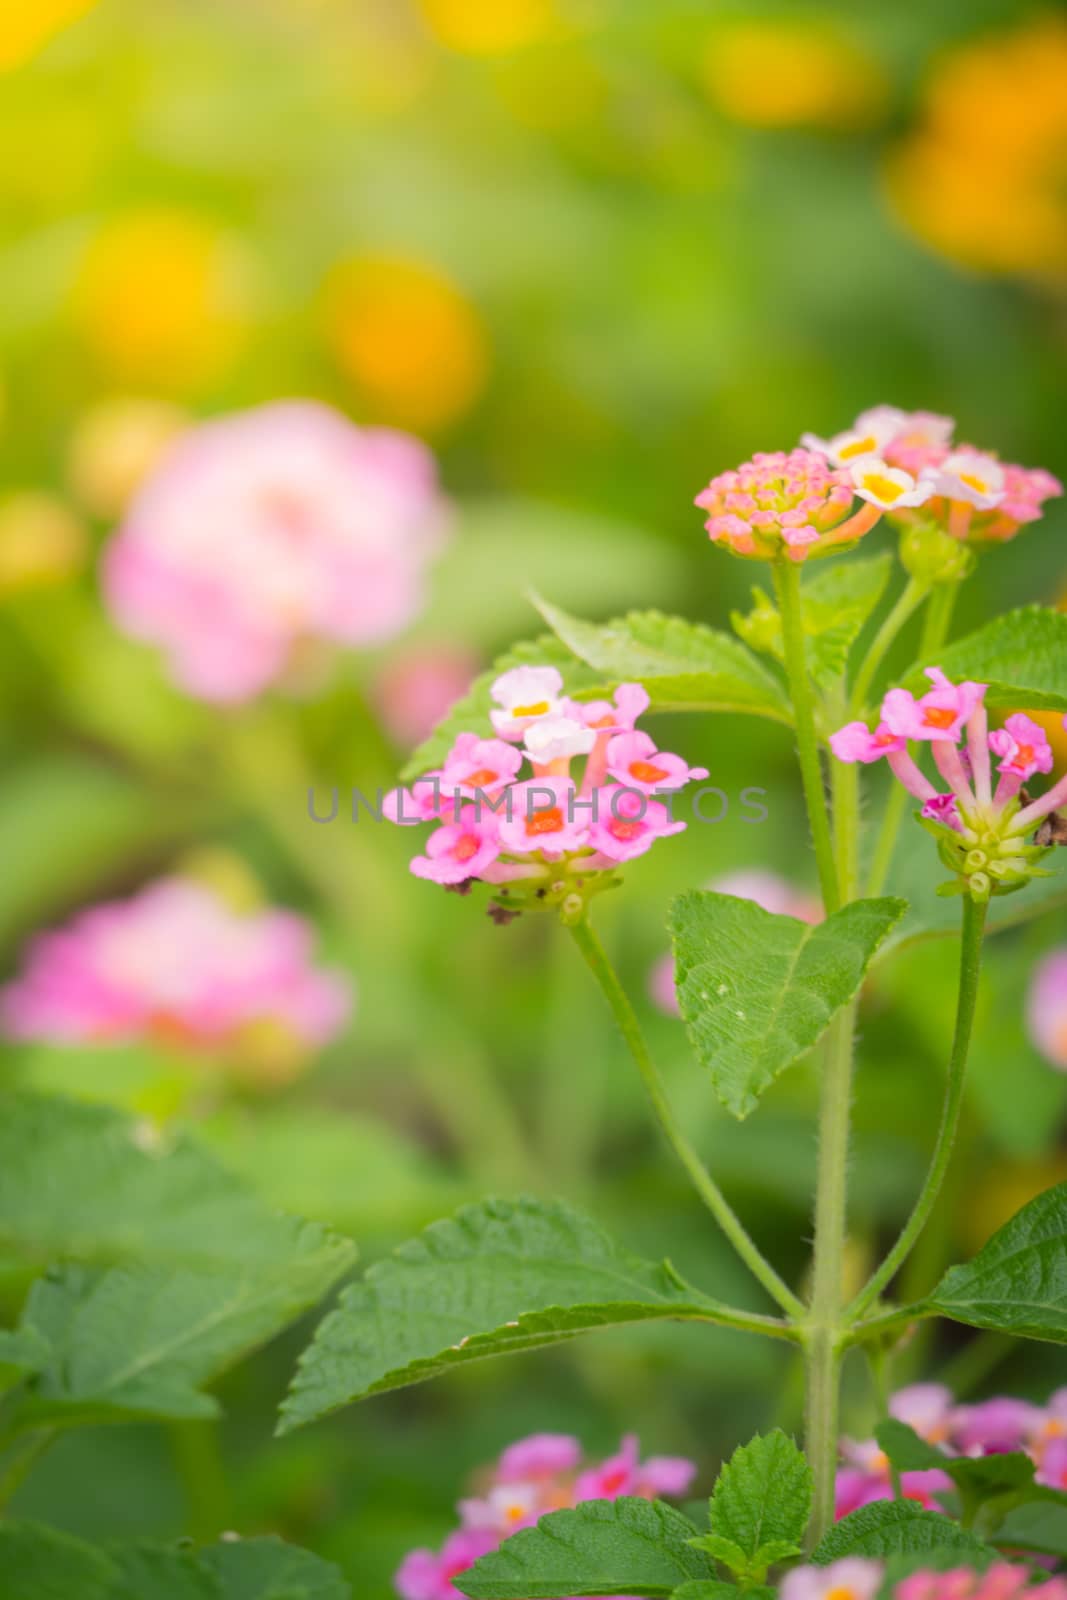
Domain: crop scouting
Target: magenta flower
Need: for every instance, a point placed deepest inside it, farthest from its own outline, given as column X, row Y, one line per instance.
column 938, row 714
column 476, row 765
column 1046, row 1011
column 629, row 823
column 428, row 1575
column 414, row 690
column 542, row 1455
column 1024, row 749
column 636, row 762
column 459, row 850
column 794, row 504
column 540, row 815
column 998, row 1582
column 856, row 742
column 176, row 965
column 266, row 530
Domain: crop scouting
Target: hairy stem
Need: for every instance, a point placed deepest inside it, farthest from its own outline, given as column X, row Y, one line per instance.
column 974, row 915
column 909, row 601
column 599, row 965
column 787, row 588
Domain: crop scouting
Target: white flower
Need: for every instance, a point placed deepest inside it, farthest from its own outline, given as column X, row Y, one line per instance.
column 525, row 694
column 891, row 488
column 557, row 738
column 968, row 475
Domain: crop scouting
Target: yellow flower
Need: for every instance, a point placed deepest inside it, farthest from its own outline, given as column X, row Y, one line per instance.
column 486, row 27
column 115, row 446
column 162, row 297
column 26, row 26
column 785, row 74
column 42, row 541
column 983, row 177
column 409, row 340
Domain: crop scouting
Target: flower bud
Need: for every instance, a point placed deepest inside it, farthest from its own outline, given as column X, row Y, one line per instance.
column 932, row 556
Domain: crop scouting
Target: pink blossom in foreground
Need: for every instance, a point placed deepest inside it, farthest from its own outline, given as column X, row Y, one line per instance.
column 857, row 1578
column 793, row 504
column 177, row 965
column 533, row 1477
column 413, row 691
column 270, row 528
column 1046, row 1008
column 555, row 836
column 983, row 835
column 853, row 1578
column 905, row 460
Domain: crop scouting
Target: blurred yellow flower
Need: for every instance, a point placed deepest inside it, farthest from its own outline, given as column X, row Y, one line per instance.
column 484, row 27
column 789, row 74
column 114, row 447
column 1005, row 1188
column 42, row 541
column 26, row 26
column 983, row 177
column 163, row 297
column 406, row 336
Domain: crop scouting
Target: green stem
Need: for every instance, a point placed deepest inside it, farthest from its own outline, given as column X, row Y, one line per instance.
column 597, row 961
column 908, row 602
column 198, row 1459
column 936, row 624
column 974, row 915
column 787, row 589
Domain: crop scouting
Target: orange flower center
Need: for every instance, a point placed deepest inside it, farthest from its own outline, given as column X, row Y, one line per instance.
column 647, row 772
column 483, row 776
column 550, row 821
column 625, row 830
column 466, row 847
column 974, row 482
column 939, row 716
column 537, row 710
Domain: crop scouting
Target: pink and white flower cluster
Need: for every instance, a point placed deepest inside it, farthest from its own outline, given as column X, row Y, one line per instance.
column 533, row 1477
column 504, row 828
column 176, row 965
column 905, row 459
column 1047, row 1007
column 859, row 1578
column 987, row 827
column 265, row 531
column 992, row 1427
column 786, row 503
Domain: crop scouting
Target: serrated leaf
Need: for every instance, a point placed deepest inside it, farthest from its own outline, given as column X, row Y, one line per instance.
column 837, row 601
column 890, row 1528
column 978, row 1477
column 1017, row 1283
column 1035, row 1526
column 471, row 711
column 163, row 1572
column 140, row 1342
column 267, row 1569
column 91, row 1183
column 748, row 1020
column 725, row 1550
column 685, row 666
column 601, row 1547
column 499, row 1277
column 1021, row 655
column 763, row 1496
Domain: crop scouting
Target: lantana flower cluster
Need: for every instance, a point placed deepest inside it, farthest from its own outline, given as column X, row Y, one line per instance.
column 992, row 1427
column 176, row 966
column 981, row 830
column 553, row 837
column 533, row 1477
column 860, row 1578
column 801, row 503
column 271, row 531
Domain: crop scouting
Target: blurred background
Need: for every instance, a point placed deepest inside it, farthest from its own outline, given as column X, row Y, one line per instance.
column 591, row 251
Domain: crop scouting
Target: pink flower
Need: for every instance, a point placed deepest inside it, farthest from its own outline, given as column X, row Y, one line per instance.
column 426, row 1575
column 779, row 502
column 459, row 850
column 856, row 742
column 174, row 964
column 926, row 1407
column 1046, row 1007
column 1052, row 1471
column 612, row 716
column 523, row 695
column 972, row 477
column 939, row 714
column 852, row 1578
column 771, row 891
column 661, row 985
column 625, row 1474
column 542, row 1455
column 635, row 761
column 425, row 801
column 1022, row 746
column 542, row 815
column 944, row 808
column 1025, row 491
column 558, row 739
column 413, row 691
column 627, row 824
column 998, row 1582
column 670, row 1475
column 479, row 766
column 267, row 529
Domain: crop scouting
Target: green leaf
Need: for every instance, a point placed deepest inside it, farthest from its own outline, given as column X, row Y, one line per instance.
column 499, row 1277
column 602, row 1547
column 762, row 1501
column 725, row 1550
column 91, row 1183
column 837, row 601
column 139, row 1342
column 267, row 1569
column 1037, row 1526
column 714, row 1589
column 977, row 1477
column 748, row 1020
column 685, row 666
column 40, row 1564
column 890, row 1528
column 21, row 1352
column 1021, row 655
column 471, row 711
column 163, row 1572
column 1017, row 1283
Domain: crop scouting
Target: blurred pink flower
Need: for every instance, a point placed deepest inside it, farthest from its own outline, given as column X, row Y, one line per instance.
column 414, row 690
column 174, row 963
column 998, row 1582
column 1046, row 1007
column 853, row 1578
column 269, row 528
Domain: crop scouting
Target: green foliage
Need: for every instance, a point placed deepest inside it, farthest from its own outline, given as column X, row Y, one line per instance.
column 1038, row 1525
column 748, row 1020
column 21, row 1352
column 890, row 1528
column 714, row 1589
column 685, row 666
column 602, row 1547
column 499, row 1277
column 837, row 601
column 40, row 1564
column 759, row 1507
column 1022, row 655
column 1017, row 1283
column 977, row 1478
